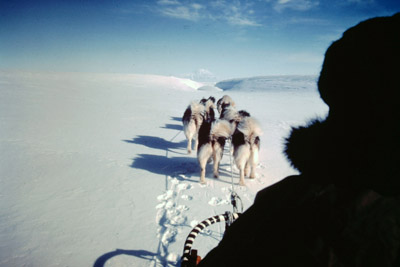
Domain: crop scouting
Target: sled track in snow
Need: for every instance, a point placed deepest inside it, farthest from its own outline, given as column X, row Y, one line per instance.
column 170, row 215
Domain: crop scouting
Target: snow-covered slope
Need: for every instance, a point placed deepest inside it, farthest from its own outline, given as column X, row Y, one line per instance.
column 270, row 83
column 94, row 170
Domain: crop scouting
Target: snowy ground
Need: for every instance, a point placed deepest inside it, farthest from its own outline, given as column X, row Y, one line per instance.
column 94, row 170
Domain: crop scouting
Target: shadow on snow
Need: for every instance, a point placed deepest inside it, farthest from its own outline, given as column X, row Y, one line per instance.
column 158, row 143
column 176, row 119
column 177, row 127
column 143, row 254
column 165, row 166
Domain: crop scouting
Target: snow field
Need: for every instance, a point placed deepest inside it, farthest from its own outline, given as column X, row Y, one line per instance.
column 94, row 169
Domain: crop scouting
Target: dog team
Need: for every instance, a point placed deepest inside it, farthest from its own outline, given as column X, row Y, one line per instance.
column 210, row 135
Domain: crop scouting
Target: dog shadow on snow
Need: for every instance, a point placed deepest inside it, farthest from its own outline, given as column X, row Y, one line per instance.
column 177, row 166
column 166, row 166
column 169, row 164
column 177, row 127
column 176, row 118
column 159, row 143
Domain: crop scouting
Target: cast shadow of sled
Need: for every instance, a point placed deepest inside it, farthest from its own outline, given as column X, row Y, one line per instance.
column 143, row 254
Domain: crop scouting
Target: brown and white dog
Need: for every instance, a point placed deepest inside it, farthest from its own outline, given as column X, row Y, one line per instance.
column 212, row 138
column 246, row 146
column 245, row 134
column 194, row 116
column 226, row 99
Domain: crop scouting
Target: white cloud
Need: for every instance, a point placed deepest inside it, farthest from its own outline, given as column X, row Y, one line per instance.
column 306, row 20
column 234, row 13
column 168, row 2
column 181, row 11
column 299, row 5
column 239, row 20
column 197, row 6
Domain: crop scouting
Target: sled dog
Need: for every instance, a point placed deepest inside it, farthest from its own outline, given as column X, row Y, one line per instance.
column 246, row 146
column 212, row 137
column 224, row 100
column 194, row 116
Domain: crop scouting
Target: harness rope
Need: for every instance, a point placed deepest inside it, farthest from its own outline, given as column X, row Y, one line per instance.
column 234, row 195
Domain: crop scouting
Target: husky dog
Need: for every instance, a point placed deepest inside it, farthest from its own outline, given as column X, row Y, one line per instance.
column 246, row 145
column 192, row 120
column 226, row 99
column 231, row 115
column 212, row 137
column 194, row 116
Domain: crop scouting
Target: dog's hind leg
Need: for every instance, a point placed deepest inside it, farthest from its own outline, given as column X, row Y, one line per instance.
column 196, row 141
column 217, row 156
column 189, row 146
column 241, row 156
column 203, row 154
column 241, row 171
column 254, row 158
column 190, row 132
column 247, row 168
column 253, row 172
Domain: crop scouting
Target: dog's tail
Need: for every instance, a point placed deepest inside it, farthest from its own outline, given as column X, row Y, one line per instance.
column 229, row 113
column 195, row 111
column 209, row 109
column 197, row 108
column 220, row 129
column 209, row 104
column 251, row 130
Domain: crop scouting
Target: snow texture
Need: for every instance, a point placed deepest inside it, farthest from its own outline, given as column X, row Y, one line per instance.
column 94, row 170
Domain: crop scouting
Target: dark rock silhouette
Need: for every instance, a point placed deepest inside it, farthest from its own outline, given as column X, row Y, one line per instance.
column 344, row 207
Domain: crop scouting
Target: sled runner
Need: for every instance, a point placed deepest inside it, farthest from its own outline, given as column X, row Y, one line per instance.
column 190, row 257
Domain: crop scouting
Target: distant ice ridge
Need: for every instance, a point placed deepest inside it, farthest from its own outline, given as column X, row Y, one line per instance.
column 271, row 83
column 202, row 75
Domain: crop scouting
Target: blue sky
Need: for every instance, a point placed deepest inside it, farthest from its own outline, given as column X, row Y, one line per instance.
column 177, row 37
